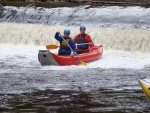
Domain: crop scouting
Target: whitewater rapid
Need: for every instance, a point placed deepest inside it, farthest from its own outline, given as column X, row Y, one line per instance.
column 109, row 84
column 130, row 39
column 21, row 58
column 123, row 33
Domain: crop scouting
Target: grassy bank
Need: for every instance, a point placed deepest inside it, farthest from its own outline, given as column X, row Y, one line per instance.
column 67, row 4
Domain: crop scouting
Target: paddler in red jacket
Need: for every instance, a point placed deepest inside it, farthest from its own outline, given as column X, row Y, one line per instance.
column 83, row 40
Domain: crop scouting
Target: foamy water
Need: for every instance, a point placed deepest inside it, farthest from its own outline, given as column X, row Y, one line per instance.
column 27, row 56
column 123, row 48
column 111, row 38
column 109, row 84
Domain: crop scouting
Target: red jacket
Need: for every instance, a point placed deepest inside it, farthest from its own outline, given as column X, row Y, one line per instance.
column 87, row 40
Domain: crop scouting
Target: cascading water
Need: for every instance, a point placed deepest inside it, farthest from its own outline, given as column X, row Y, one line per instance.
column 111, row 38
column 135, row 17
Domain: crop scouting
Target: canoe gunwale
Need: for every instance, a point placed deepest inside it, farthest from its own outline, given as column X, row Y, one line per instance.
column 95, row 51
column 54, row 59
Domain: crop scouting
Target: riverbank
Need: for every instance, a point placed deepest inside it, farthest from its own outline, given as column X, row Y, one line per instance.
column 38, row 4
column 69, row 4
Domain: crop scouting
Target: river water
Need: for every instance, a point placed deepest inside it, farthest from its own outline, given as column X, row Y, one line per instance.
column 109, row 85
column 76, row 91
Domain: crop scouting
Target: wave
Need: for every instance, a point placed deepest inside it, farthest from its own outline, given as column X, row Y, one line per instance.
column 111, row 38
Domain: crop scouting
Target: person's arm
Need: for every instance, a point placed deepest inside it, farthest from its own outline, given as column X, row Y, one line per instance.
column 72, row 44
column 58, row 37
column 89, row 40
column 75, row 39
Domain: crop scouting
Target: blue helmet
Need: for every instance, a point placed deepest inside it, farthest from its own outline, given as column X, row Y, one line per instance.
column 82, row 28
column 67, row 31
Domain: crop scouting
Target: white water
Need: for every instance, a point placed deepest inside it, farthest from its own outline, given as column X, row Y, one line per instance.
column 120, row 17
column 123, row 48
column 20, row 44
column 26, row 56
column 111, row 38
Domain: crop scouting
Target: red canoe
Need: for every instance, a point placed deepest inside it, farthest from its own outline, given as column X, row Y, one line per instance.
column 48, row 58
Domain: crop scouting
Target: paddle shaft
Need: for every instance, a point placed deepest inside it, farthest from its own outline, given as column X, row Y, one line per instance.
column 56, row 46
column 67, row 43
column 81, row 44
column 70, row 48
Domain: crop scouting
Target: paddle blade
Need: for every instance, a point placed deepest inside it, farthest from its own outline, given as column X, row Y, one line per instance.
column 83, row 63
column 52, row 46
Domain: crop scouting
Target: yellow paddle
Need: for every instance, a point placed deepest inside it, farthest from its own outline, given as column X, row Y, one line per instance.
column 55, row 47
column 52, row 46
column 83, row 63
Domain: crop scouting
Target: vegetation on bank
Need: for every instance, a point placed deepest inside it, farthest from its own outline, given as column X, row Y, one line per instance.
column 38, row 4
column 94, row 3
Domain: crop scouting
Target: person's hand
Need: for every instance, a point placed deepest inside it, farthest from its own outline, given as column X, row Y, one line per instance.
column 73, row 54
column 91, row 44
column 58, row 32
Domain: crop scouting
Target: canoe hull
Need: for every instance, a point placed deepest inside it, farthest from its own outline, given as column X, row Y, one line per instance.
column 145, row 84
column 54, row 59
column 45, row 57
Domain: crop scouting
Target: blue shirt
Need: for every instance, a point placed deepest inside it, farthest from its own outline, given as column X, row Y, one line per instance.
column 71, row 43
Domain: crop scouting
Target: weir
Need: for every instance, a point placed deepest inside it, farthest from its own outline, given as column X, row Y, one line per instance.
column 120, row 17
column 130, row 39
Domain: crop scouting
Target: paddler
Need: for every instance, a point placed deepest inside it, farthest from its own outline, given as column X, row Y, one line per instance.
column 63, row 40
column 83, row 40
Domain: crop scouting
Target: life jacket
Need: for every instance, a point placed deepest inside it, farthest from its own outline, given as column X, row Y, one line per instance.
column 82, row 40
column 63, row 44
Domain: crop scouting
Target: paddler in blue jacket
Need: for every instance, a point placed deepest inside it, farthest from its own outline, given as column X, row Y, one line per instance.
column 64, row 48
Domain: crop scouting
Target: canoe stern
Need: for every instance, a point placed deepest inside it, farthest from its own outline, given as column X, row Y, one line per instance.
column 46, row 58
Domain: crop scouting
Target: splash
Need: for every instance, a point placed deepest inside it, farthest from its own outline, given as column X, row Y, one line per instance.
column 111, row 38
